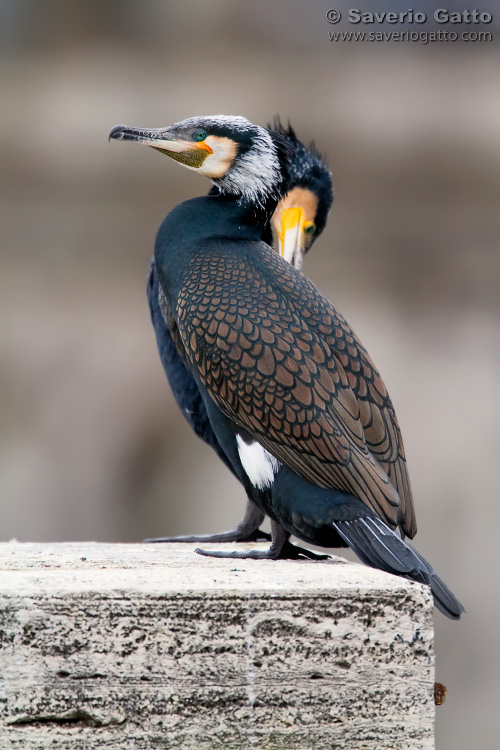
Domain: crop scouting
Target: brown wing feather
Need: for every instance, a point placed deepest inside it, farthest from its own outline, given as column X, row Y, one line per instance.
column 284, row 365
column 378, row 418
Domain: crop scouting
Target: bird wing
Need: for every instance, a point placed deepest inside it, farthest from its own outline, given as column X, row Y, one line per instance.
column 173, row 358
column 377, row 415
column 282, row 364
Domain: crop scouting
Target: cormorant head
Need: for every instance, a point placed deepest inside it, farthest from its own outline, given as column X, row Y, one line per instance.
column 239, row 157
column 301, row 214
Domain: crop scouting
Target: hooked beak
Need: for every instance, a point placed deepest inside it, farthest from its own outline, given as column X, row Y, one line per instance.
column 164, row 139
column 290, row 236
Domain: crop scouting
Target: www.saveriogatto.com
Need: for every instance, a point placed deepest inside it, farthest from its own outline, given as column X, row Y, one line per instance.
column 447, row 26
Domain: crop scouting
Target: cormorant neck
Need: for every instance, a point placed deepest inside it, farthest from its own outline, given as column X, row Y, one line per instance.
column 234, row 216
column 258, row 214
column 208, row 218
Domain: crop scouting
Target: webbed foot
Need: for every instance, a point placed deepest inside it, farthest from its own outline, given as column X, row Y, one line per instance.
column 236, row 535
column 246, row 531
column 285, row 551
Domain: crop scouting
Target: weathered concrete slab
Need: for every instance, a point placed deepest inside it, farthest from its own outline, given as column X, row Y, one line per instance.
column 152, row 646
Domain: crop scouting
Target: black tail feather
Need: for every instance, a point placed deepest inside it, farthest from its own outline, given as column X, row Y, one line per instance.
column 380, row 547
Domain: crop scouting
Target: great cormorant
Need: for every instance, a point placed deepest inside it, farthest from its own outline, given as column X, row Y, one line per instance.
column 299, row 219
column 292, row 395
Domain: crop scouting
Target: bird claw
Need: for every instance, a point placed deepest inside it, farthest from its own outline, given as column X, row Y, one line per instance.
column 227, row 536
column 287, row 552
column 251, row 554
column 294, row 552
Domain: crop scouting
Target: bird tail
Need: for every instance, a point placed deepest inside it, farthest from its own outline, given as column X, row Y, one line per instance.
column 380, row 547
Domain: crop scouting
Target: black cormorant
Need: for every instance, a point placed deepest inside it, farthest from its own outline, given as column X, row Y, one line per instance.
column 301, row 214
column 293, row 397
column 299, row 219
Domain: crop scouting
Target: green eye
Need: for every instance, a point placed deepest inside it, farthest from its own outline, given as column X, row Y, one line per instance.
column 310, row 228
column 200, row 135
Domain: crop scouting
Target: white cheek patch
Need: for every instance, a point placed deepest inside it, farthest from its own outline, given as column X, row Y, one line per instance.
column 216, row 165
column 260, row 466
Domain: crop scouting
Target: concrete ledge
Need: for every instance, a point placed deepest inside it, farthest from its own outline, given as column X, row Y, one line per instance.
column 150, row 646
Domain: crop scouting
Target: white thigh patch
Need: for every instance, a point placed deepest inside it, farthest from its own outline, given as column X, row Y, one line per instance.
column 258, row 463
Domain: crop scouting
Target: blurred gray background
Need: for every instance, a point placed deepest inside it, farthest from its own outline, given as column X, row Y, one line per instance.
column 92, row 445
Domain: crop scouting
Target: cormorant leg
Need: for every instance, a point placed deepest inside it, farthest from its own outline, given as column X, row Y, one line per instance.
column 280, row 549
column 246, row 531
